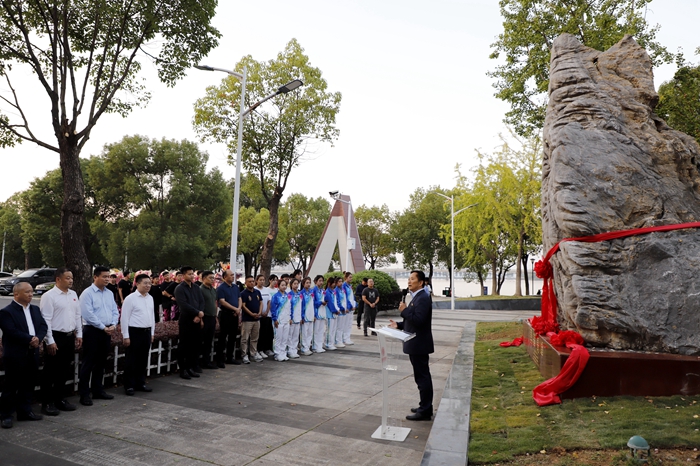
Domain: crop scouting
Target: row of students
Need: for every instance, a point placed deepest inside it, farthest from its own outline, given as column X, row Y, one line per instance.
column 312, row 319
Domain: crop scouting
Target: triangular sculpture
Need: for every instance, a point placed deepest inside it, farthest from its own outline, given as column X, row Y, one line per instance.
column 336, row 233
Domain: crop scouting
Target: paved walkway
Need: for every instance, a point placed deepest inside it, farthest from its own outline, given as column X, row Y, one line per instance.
column 316, row 410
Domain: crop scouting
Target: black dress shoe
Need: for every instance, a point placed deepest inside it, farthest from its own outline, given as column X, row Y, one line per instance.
column 221, row 365
column 6, row 423
column 192, row 373
column 102, row 396
column 129, row 392
column 50, row 409
column 209, row 365
column 30, row 416
column 197, row 369
column 63, row 405
column 235, row 362
column 143, row 388
column 85, row 400
column 185, row 375
column 414, row 410
column 418, row 417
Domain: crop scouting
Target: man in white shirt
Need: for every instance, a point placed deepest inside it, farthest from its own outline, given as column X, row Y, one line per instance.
column 61, row 311
column 138, row 329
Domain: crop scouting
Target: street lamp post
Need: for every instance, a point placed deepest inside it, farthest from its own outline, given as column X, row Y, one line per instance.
column 239, row 148
column 532, row 261
column 452, row 244
column 337, row 196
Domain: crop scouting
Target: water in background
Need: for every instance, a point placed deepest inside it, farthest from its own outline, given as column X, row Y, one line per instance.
column 465, row 289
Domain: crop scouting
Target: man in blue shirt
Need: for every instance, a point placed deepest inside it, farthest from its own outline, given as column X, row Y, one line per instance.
column 99, row 311
column 228, row 297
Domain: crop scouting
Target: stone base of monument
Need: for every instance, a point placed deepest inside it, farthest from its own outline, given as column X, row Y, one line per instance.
column 614, row 373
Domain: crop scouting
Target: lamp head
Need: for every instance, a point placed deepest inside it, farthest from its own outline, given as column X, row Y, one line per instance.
column 290, row 86
column 204, row 67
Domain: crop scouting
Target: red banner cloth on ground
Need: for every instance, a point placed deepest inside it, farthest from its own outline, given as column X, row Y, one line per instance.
column 516, row 342
column 547, row 393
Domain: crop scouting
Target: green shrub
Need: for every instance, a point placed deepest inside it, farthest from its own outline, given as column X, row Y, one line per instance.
column 383, row 282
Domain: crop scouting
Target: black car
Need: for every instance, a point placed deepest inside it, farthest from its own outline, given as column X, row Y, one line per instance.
column 32, row 276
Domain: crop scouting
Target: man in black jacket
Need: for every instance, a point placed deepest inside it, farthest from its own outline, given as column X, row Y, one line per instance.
column 417, row 317
column 191, row 305
column 23, row 329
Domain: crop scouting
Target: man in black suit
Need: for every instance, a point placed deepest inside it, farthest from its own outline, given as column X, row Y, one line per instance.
column 23, row 329
column 417, row 318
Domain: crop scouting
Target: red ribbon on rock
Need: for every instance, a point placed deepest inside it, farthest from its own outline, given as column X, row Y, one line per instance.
column 543, row 268
column 547, row 392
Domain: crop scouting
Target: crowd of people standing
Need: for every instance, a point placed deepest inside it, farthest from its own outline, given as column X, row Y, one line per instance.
column 289, row 317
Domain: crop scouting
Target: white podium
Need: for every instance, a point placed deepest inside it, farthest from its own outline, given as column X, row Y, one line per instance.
column 386, row 432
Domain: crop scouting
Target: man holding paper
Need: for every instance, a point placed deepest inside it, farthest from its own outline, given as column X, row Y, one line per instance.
column 417, row 317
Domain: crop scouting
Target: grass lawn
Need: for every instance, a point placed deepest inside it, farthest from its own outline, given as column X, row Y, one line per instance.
column 506, row 422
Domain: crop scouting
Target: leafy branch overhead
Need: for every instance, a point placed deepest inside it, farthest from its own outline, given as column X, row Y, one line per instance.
column 529, row 28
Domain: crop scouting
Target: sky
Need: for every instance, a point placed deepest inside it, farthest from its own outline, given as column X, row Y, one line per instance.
column 416, row 97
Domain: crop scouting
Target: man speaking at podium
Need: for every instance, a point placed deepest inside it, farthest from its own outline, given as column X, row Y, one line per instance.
column 417, row 318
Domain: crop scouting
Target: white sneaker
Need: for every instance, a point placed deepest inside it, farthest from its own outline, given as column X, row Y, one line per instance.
column 331, row 348
column 270, row 353
column 280, row 359
column 262, row 355
column 320, row 350
column 293, row 356
column 339, row 345
column 349, row 343
column 246, row 360
column 306, row 353
column 257, row 358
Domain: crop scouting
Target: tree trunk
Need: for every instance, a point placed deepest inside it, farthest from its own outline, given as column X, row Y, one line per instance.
column 430, row 277
column 481, row 282
column 247, row 264
column 269, row 244
column 26, row 260
column 73, row 215
column 494, row 277
column 525, row 273
column 518, row 274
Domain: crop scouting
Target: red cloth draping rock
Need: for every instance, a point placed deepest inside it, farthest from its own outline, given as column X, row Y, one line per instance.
column 516, row 342
column 547, row 393
column 542, row 326
column 566, row 336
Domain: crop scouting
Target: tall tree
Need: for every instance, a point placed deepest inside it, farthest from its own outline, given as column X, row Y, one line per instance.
column 418, row 231
column 306, row 219
column 530, row 27
column 155, row 201
column 11, row 234
column 278, row 134
column 252, row 229
column 679, row 100
column 373, row 225
column 85, row 57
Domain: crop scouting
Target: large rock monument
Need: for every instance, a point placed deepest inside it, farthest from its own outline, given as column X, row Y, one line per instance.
column 611, row 164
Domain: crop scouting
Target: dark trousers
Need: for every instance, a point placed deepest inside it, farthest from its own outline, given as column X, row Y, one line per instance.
column 228, row 331
column 137, row 357
column 189, row 344
column 208, row 338
column 360, row 309
column 96, row 346
column 20, row 379
column 57, row 368
column 267, row 334
column 370, row 316
column 421, row 374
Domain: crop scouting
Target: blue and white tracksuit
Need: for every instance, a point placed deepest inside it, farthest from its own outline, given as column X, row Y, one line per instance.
column 280, row 309
column 331, row 317
column 319, row 319
column 351, row 304
column 342, row 317
column 295, row 325
column 307, row 319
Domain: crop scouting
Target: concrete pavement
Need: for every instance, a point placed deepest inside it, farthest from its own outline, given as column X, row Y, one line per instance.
column 320, row 409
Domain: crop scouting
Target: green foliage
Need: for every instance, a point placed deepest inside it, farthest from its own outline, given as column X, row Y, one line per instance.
column 305, row 220
column 505, row 222
column 10, row 228
column 419, row 231
column 277, row 135
column 530, row 27
column 252, row 230
column 373, row 225
column 505, row 422
column 385, row 283
column 679, row 101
